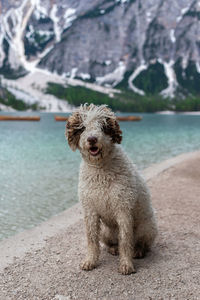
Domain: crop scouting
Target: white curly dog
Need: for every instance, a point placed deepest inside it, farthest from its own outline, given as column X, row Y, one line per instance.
column 116, row 201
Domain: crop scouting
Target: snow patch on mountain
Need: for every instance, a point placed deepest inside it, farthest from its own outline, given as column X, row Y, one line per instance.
column 85, row 76
column 122, row 1
column 198, row 67
column 114, row 77
column 172, row 36
column 148, row 16
column 184, row 63
column 183, row 12
column 55, row 18
column 73, row 73
column 6, row 108
column 69, row 16
column 2, row 54
column 108, row 62
column 137, row 71
column 39, row 10
column 171, row 76
column 16, row 53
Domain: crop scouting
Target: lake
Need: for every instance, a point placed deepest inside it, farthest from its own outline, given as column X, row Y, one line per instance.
column 39, row 173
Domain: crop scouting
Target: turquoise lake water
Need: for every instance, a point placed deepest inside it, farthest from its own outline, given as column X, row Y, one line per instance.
column 39, row 173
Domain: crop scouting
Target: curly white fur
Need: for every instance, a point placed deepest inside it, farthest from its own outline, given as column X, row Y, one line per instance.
column 115, row 198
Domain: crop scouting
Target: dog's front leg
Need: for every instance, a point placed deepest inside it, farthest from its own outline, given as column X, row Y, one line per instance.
column 92, row 223
column 125, row 223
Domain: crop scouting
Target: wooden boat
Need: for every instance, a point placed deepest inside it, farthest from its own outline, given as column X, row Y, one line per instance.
column 19, row 118
column 119, row 118
column 129, row 118
column 60, row 118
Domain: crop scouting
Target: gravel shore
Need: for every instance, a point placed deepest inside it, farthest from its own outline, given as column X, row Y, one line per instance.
column 49, row 269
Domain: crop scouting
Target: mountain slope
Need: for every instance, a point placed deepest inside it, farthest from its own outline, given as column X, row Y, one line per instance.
column 146, row 46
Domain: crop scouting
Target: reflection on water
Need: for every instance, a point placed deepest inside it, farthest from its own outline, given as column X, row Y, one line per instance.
column 39, row 173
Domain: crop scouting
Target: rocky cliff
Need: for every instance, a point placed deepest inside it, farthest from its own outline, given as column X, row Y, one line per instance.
column 147, row 46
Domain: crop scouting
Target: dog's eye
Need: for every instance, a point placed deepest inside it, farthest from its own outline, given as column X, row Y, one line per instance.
column 80, row 130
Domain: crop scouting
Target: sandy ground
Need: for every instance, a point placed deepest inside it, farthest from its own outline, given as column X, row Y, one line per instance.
column 170, row 271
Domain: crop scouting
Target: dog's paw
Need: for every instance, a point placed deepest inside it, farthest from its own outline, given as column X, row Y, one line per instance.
column 113, row 250
column 140, row 250
column 87, row 265
column 126, row 268
column 139, row 253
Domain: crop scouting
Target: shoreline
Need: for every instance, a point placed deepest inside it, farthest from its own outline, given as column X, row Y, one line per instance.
column 69, row 111
column 33, row 239
column 171, row 112
column 162, row 112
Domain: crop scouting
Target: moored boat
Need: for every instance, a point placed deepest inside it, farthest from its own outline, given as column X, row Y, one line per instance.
column 19, row 118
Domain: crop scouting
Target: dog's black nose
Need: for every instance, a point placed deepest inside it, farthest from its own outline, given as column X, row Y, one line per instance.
column 92, row 140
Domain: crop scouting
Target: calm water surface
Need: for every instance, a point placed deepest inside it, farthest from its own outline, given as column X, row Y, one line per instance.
column 39, row 173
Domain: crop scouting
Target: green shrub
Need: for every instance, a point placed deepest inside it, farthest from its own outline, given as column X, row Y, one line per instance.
column 126, row 101
column 9, row 99
column 78, row 95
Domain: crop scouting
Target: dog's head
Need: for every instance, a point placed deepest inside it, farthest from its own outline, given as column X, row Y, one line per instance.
column 93, row 130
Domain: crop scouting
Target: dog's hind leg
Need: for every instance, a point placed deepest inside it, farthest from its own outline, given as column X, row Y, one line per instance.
column 144, row 238
column 109, row 236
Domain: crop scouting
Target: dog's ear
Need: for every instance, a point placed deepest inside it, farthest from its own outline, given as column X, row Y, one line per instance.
column 74, row 130
column 112, row 128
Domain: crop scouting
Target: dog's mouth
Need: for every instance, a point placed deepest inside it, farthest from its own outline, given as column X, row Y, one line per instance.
column 94, row 150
